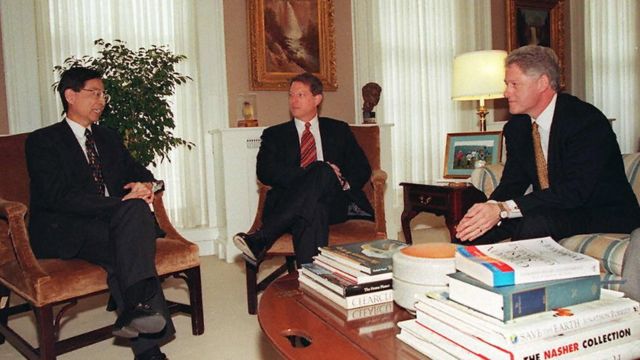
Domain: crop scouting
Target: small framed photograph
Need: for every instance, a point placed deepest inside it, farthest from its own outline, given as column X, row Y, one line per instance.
column 290, row 37
column 466, row 151
column 537, row 22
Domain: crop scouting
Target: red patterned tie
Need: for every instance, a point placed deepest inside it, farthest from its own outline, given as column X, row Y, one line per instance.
column 307, row 147
column 94, row 162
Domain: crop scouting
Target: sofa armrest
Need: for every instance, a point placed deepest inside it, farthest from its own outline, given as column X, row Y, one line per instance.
column 487, row 178
column 631, row 267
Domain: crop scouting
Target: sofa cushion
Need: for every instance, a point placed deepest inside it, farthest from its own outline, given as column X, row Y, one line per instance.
column 609, row 249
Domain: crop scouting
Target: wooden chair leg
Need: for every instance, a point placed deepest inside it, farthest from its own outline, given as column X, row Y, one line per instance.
column 252, row 286
column 5, row 300
column 46, row 338
column 291, row 264
column 195, row 299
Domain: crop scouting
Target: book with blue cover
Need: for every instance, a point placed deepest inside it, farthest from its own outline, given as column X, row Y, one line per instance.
column 510, row 302
column 523, row 261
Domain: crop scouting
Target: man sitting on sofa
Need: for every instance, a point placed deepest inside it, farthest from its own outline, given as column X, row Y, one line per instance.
column 566, row 150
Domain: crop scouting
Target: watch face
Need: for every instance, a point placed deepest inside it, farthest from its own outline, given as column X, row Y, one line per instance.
column 503, row 214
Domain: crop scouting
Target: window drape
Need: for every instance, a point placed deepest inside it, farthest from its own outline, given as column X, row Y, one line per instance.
column 69, row 27
column 408, row 46
column 612, row 65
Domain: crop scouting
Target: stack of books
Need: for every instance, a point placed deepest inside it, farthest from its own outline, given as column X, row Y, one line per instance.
column 531, row 299
column 352, row 275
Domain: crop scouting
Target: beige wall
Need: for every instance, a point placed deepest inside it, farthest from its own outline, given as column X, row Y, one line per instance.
column 272, row 105
column 4, row 120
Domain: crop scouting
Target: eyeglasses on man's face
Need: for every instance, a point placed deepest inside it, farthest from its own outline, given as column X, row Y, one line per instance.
column 97, row 93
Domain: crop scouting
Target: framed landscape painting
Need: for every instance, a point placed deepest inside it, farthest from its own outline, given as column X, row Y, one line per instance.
column 290, row 37
column 466, row 151
column 537, row 22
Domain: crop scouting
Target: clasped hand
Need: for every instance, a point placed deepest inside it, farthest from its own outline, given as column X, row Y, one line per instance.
column 477, row 221
column 139, row 190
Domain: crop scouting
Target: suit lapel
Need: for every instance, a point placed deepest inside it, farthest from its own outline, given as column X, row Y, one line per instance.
column 72, row 148
column 554, row 137
column 327, row 141
column 292, row 142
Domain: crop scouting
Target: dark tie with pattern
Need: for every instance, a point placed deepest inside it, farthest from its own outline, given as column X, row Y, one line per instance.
column 541, row 163
column 94, row 162
column 307, row 147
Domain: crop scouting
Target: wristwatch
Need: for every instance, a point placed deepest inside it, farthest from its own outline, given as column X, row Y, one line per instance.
column 504, row 213
column 157, row 185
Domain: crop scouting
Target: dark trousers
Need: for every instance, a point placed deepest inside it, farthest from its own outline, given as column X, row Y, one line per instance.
column 124, row 244
column 562, row 223
column 315, row 201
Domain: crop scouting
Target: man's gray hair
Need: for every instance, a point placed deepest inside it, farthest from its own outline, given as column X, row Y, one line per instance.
column 537, row 60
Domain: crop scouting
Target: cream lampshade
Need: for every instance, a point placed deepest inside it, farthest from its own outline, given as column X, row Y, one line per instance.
column 479, row 75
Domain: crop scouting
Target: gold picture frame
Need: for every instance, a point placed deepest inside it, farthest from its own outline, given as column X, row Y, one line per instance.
column 290, row 37
column 539, row 22
column 466, row 151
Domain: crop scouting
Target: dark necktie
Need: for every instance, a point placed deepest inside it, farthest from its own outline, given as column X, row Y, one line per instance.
column 94, row 162
column 541, row 163
column 307, row 147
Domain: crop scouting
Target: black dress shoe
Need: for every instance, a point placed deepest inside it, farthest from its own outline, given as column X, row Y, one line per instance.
column 141, row 319
column 251, row 245
column 152, row 354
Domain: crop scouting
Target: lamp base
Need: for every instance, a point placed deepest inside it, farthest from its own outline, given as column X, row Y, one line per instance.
column 482, row 113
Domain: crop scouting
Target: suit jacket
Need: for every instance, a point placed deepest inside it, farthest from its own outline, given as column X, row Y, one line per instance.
column 63, row 197
column 278, row 163
column 584, row 162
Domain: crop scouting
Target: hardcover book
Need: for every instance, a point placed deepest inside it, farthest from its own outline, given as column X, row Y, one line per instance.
column 341, row 285
column 348, row 272
column 370, row 257
column 349, row 302
column 528, row 328
column 510, row 302
column 524, row 261
column 572, row 344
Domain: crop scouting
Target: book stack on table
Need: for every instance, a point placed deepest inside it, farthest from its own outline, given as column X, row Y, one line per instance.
column 352, row 275
column 530, row 299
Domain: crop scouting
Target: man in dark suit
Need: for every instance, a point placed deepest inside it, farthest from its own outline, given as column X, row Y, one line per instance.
column 90, row 200
column 573, row 163
column 316, row 171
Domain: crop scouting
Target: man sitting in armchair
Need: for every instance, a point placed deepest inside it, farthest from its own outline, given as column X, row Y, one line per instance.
column 566, row 150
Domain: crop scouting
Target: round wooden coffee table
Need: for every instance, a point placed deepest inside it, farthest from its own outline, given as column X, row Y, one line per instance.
column 302, row 325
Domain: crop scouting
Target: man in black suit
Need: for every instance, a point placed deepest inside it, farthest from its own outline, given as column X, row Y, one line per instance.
column 579, row 183
column 90, row 200
column 316, row 171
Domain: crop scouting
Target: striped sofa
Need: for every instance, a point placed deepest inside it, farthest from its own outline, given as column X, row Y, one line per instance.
column 619, row 262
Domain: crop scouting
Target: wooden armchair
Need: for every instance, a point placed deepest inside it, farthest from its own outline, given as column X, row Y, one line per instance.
column 45, row 283
column 368, row 138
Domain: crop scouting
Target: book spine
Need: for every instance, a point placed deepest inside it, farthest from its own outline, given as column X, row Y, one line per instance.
column 348, row 290
column 425, row 335
column 356, row 260
column 350, row 302
column 349, row 273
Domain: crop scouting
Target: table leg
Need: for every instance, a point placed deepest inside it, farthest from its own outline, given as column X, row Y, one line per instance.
column 405, row 219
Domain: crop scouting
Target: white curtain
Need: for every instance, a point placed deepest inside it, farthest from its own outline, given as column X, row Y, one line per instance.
column 69, row 27
column 408, row 46
column 612, row 65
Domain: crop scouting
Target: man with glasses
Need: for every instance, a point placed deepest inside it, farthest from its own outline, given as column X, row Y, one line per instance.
column 90, row 200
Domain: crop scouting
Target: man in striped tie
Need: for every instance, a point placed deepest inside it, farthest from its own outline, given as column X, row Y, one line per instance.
column 316, row 171
column 565, row 150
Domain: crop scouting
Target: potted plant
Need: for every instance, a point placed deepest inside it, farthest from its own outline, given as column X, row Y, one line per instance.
column 139, row 84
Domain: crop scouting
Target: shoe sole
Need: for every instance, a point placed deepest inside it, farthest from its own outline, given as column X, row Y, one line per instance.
column 149, row 324
column 239, row 242
column 126, row 332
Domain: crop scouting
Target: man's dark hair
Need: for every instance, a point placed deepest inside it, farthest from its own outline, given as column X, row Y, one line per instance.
column 74, row 79
column 309, row 79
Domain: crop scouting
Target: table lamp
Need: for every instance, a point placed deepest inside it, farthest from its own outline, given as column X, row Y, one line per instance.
column 479, row 75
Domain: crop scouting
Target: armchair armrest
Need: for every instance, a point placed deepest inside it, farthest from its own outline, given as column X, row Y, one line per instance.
column 378, row 181
column 631, row 267
column 262, row 197
column 163, row 218
column 18, row 264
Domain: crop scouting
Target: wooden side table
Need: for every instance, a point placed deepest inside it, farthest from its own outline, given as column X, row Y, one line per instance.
column 450, row 201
